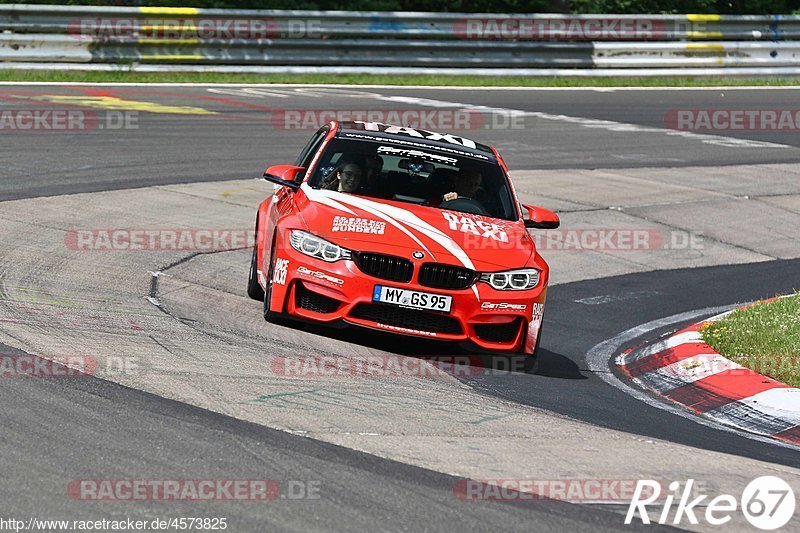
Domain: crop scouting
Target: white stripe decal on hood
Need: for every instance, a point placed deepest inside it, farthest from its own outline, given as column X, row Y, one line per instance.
column 390, row 213
column 369, row 207
column 418, row 224
column 423, row 227
column 319, row 196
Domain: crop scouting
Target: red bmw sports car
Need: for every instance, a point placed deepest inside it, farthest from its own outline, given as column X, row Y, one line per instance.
column 402, row 230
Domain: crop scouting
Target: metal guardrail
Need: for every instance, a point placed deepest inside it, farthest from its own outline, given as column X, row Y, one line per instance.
column 25, row 18
column 128, row 36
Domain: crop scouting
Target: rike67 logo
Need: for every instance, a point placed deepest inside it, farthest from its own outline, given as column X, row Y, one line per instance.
column 768, row 503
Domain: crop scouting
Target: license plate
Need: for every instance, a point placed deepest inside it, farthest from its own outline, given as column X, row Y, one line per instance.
column 413, row 299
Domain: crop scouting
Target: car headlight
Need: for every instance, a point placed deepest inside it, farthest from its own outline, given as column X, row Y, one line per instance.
column 512, row 280
column 311, row 245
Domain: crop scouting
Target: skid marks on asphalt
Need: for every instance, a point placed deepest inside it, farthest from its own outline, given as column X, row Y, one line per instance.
column 372, row 405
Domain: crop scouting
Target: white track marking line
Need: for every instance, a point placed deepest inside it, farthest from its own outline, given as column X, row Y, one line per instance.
column 253, row 92
column 598, row 359
column 409, row 87
column 608, row 125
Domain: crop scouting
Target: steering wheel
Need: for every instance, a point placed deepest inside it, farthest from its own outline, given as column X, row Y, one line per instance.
column 466, row 205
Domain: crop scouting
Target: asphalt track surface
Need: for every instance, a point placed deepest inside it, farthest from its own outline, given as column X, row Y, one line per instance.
column 76, row 428
column 169, row 148
column 67, row 429
column 574, row 327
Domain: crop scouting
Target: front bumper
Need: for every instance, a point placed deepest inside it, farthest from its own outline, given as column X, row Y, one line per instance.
column 504, row 321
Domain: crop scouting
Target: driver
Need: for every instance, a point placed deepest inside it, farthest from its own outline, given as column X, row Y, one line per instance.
column 374, row 184
column 374, row 165
column 466, row 186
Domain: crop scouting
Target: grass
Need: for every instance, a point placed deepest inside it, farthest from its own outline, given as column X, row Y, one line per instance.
column 764, row 338
column 367, row 79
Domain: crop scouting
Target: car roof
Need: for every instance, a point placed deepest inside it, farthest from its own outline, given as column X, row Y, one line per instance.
column 446, row 142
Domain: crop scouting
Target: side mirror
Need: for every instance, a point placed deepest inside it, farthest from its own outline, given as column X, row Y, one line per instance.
column 540, row 218
column 284, row 175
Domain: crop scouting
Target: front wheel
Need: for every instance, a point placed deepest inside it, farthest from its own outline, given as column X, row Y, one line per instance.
column 531, row 361
column 254, row 289
column 269, row 314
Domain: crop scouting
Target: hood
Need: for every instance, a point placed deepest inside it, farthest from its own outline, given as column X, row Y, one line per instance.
column 399, row 228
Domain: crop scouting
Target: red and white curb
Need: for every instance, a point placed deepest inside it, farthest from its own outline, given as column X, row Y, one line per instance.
column 687, row 371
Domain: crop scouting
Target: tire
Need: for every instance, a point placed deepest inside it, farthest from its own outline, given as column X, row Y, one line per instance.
column 531, row 361
column 270, row 315
column 254, row 289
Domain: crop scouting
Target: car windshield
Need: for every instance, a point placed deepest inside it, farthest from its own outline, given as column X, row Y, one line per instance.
column 419, row 174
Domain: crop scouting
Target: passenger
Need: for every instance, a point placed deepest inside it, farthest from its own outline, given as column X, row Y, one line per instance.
column 345, row 178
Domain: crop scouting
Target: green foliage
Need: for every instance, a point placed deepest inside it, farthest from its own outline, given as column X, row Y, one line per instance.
column 764, row 337
column 737, row 7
